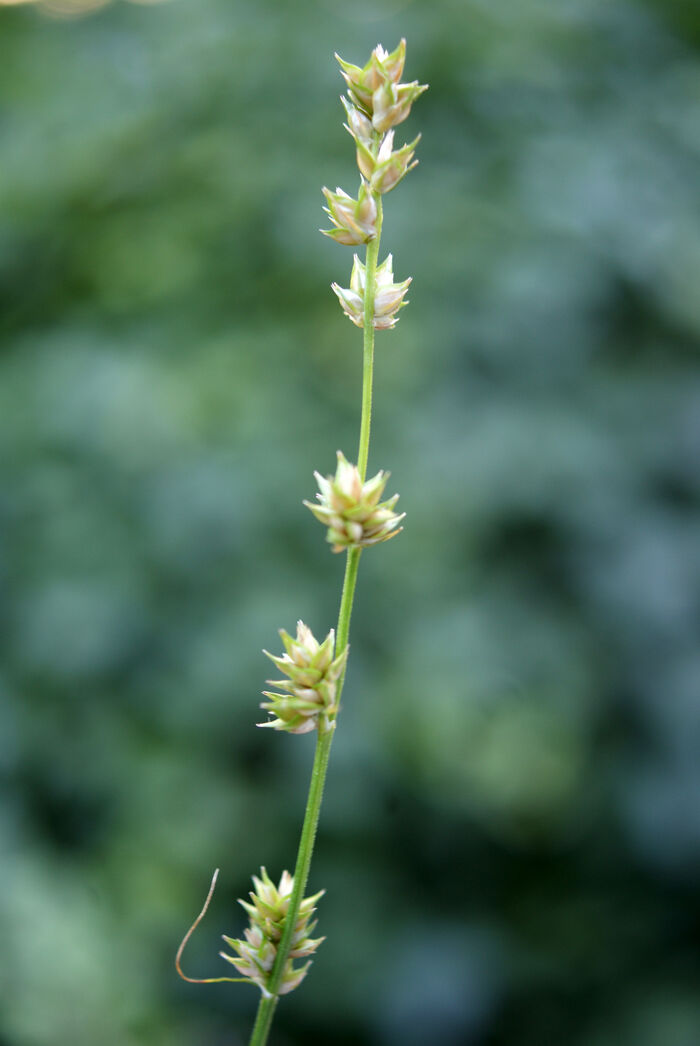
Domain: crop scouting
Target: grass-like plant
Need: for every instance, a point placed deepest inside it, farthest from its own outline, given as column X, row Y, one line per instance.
column 352, row 509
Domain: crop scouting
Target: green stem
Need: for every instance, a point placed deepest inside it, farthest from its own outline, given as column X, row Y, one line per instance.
column 263, row 1020
column 266, row 1007
column 368, row 341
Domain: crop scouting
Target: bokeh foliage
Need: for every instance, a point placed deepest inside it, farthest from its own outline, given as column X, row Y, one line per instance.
column 511, row 837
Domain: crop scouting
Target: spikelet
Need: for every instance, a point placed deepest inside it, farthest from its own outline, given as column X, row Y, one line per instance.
column 374, row 89
column 388, row 296
column 309, row 695
column 352, row 510
column 354, row 220
column 255, row 954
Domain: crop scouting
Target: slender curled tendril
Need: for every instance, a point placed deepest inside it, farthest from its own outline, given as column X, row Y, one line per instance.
column 185, row 939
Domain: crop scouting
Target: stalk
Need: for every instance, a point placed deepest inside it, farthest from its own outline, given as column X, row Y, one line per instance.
column 266, row 1006
column 355, row 516
column 368, row 341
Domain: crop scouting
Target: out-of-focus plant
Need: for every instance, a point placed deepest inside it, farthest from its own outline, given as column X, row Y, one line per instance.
column 350, row 506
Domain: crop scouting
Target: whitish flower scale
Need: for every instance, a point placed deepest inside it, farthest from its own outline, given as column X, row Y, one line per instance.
column 388, row 296
column 308, row 699
column 255, row 955
column 352, row 510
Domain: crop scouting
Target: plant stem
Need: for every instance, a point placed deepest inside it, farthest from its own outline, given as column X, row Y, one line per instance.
column 266, row 1008
column 267, row 1005
column 368, row 342
column 263, row 1020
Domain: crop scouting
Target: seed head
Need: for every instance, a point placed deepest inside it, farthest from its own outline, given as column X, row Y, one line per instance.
column 375, row 90
column 388, row 168
column 388, row 296
column 391, row 103
column 255, row 956
column 354, row 220
column 381, row 67
column 351, row 509
column 308, row 698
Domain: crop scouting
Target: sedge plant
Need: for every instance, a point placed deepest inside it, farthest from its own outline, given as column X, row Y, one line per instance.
column 273, row 953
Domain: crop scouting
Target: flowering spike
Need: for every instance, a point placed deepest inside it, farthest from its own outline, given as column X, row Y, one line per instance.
column 308, row 698
column 390, row 169
column 254, row 956
column 354, row 220
column 375, row 89
column 388, row 298
column 391, row 103
column 307, row 695
column 352, row 511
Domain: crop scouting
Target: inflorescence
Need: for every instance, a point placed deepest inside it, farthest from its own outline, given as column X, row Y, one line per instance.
column 354, row 514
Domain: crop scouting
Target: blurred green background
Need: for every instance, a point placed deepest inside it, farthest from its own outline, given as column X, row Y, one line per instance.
column 511, row 836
